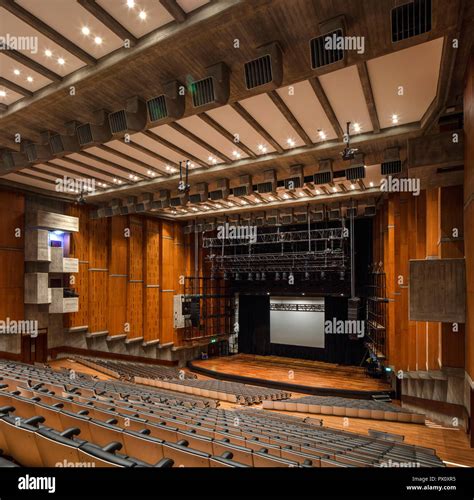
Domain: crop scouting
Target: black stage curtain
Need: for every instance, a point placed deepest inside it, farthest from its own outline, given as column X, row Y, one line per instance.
column 254, row 333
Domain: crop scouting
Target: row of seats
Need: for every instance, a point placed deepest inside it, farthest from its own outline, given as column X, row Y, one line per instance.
column 346, row 407
column 233, row 392
column 129, row 371
column 228, row 438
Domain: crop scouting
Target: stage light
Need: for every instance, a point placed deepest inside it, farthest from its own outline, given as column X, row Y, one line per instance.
column 285, row 276
column 277, row 276
column 250, row 277
column 257, row 276
column 263, row 277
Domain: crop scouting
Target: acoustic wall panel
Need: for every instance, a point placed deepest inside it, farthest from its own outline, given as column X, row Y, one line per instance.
column 438, row 290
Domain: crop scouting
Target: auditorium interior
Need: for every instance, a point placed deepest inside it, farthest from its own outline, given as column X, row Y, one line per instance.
column 237, row 233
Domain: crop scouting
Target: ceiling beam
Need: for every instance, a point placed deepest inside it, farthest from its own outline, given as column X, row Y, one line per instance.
column 149, row 152
column 175, row 10
column 179, row 128
column 15, row 87
column 66, row 170
column 254, row 124
column 219, row 128
column 369, row 96
column 323, row 100
column 40, row 168
column 126, row 157
column 112, row 164
column 107, row 20
column 173, row 147
column 46, row 30
column 33, row 177
column 285, row 111
column 33, row 65
column 3, row 106
column 98, row 171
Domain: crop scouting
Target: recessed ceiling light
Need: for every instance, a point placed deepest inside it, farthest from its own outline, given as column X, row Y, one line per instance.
column 301, row 193
column 236, row 154
column 48, row 53
column 131, row 176
column 85, row 31
column 318, row 191
column 244, row 202
column 356, row 127
column 371, row 184
column 3, row 93
column 98, row 40
column 192, row 165
column 16, row 71
column 394, row 118
column 119, row 182
column 230, row 204
column 115, row 180
column 271, row 198
column 334, row 188
column 29, row 78
column 290, row 142
column 142, row 15
column 352, row 186
column 61, row 61
column 104, row 185
column 130, row 4
column 322, row 135
column 285, row 196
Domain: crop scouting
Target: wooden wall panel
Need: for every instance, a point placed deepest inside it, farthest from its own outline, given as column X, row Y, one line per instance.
column 117, row 304
column 98, row 243
column 135, row 309
column 151, row 319
column 152, row 252
column 97, row 301
column 411, row 225
column 135, row 249
column 421, row 332
column 118, row 248
column 12, row 217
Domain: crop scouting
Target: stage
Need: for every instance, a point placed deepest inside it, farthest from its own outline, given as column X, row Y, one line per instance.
column 295, row 375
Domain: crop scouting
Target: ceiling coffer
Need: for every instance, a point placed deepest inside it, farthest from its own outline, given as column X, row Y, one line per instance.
column 286, row 216
column 391, row 162
column 318, row 213
column 222, row 191
column 133, row 118
column 161, row 200
column 326, row 49
column 272, row 217
column 266, row 71
column 214, row 89
column 95, row 132
column 13, row 161
column 245, row 186
column 324, row 175
column 168, row 106
column 357, row 169
column 297, row 178
column 38, row 153
column 270, row 182
column 62, row 145
column 144, row 203
column 200, row 193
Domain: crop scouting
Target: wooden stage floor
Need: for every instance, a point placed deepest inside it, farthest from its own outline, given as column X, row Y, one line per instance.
column 297, row 372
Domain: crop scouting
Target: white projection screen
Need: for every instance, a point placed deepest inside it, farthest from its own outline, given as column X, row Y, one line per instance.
column 297, row 321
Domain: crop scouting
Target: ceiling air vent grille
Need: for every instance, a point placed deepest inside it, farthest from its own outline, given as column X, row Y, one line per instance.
column 322, row 56
column 265, row 187
column 258, row 72
column 216, row 195
column 157, row 108
column 195, row 198
column 322, row 178
column 56, row 144
column 30, row 150
column 355, row 173
column 118, row 121
column 411, row 19
column 391, row 167
column 84, row 134
column 175, row 202
column 203, row 92
column 240, row 191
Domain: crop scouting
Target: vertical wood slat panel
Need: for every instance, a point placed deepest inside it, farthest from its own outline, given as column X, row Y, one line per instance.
column 135, row 278
column 421, row 254
column 151, row 300
column 167, row 282
column 411, row 228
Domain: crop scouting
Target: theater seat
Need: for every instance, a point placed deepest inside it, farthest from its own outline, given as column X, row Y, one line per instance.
column 184, row 456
